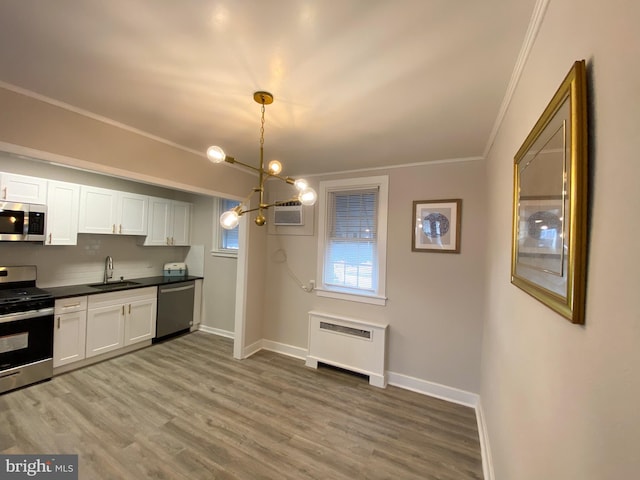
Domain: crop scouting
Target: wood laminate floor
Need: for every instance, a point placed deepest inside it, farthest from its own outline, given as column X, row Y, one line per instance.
column 185, row 409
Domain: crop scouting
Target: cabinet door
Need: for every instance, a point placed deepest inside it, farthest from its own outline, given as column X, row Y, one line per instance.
column 105, row 329
column 160, row 218
column 69, row 337
column 98, row 207
column 132, row 214
column 63, row 200
column 23, row 189
column 181, row 225
column 140, row 321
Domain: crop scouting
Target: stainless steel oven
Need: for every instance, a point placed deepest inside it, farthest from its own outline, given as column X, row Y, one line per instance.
column 26, row 329
column 22, row 222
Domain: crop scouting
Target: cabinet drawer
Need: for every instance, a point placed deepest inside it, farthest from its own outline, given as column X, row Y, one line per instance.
column 70, row 305
column 121, row 296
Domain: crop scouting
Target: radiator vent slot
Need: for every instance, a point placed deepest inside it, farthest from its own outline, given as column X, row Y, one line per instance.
column 355, row 332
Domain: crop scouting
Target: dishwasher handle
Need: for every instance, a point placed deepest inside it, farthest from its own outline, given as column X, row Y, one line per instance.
column 176, row 289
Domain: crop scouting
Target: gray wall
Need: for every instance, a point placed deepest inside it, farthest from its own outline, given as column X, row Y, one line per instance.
column 219, row 272
column 560, row 401
column 435, row 301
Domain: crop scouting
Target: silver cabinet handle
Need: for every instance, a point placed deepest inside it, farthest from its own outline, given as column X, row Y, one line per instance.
column 176, row 289
column 12, row 317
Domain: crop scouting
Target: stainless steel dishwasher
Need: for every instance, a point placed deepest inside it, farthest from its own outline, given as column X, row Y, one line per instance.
column 175, row 308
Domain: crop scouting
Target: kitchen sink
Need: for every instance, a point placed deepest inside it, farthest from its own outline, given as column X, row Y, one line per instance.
column 114, row 285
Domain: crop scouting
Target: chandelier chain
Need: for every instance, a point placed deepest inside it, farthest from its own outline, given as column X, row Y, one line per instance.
column 262, row 128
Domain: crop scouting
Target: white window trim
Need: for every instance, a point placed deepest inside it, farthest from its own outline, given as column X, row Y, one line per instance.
column 382, row 183
column 216, row 237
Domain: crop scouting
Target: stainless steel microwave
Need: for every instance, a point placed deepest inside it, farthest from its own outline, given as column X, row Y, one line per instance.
column 22, row 222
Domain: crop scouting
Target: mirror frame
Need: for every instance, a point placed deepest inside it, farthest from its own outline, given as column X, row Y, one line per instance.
column 564, row 288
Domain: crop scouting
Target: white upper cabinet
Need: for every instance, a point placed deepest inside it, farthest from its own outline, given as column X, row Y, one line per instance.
column 23, row 189
column 133, row 210
column 169, row 222
column 112, row 212
column 160, row 213
column 181, row 228
column 63, row 201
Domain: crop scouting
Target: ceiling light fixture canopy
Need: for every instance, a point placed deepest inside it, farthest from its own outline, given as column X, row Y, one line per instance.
column 306, row 195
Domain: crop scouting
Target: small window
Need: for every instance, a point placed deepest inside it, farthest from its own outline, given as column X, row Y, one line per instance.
column 352, row 239
column 225, row 242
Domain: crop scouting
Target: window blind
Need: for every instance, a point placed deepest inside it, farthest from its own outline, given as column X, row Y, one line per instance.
column 351, row 239
column 229, row 238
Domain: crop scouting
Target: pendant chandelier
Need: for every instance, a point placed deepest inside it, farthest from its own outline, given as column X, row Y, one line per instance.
column 306, row 195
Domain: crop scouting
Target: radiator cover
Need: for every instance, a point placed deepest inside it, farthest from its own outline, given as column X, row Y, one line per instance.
column 348, row 343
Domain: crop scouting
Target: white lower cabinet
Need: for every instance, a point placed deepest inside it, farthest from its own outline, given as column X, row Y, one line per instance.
column 70, row 326
column 118, row 319
column 105, row 329
column 140, row 322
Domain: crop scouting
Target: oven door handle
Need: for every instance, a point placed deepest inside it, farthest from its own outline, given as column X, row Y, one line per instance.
column 13, row 317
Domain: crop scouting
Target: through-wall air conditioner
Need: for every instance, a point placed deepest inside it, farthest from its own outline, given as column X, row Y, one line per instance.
column 289, row 213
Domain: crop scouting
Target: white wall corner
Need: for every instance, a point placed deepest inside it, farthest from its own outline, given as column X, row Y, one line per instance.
column 216, row 331
column 249, row 350
column 485, row 449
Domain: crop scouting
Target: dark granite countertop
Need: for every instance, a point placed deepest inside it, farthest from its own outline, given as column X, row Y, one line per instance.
column 80, row 290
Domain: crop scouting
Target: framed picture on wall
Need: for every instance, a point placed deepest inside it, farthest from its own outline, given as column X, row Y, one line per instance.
column 436, row 226
column 548, row 259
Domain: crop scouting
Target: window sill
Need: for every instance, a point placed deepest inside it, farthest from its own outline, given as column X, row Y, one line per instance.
column 219, row 253
column 352, row 297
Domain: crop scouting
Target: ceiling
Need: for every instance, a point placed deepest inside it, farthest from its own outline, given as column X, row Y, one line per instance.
column 357, row 83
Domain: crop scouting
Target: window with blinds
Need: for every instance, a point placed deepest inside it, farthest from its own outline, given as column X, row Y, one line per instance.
column 225, row 242
column 351, row 239
column 229, row 238
column 352, row 236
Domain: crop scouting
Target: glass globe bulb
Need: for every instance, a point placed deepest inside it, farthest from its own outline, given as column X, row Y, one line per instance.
column 301, row 184
column 229, row 219
column 308, row 196
column 275, row 167
column 215, row 154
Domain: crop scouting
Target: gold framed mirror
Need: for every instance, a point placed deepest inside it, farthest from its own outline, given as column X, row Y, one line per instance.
column 548, row 259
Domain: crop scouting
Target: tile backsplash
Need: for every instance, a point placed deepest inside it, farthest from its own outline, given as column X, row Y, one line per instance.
column 84, row 263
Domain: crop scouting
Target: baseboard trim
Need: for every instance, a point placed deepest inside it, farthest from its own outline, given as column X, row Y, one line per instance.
column 485, row 449
column 432, row 389
column 216, row 331
column 284, row 349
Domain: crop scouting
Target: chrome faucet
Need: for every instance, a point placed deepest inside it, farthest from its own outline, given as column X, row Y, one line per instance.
column 108, row 269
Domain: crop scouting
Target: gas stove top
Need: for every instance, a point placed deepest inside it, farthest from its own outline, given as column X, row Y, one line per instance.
column 22, row 294
column 18, row 291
